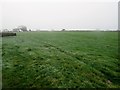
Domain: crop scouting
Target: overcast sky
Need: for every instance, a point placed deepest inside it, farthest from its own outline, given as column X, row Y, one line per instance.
column 58, row 14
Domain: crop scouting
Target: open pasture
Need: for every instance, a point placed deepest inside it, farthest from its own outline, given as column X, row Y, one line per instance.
column 61, row 60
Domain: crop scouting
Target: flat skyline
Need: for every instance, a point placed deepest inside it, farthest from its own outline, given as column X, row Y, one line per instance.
column 61, row 14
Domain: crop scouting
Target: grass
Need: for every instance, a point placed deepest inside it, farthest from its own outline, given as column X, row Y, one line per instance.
column 61, row 60
column 0, row 63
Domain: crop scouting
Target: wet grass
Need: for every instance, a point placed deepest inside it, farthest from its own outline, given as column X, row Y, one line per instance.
column 61, row 60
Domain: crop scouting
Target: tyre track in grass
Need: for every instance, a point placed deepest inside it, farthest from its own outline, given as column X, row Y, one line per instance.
column 75, row 68
column 80, row 58
column 68, row 53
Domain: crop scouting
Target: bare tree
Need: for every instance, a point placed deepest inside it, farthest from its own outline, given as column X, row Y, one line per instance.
column 22, row 28
column 63, row 29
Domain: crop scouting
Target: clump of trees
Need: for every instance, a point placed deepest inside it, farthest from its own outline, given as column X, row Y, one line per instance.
column 20, row 28
column 63, row 29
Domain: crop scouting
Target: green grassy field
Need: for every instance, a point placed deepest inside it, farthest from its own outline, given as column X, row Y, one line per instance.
column 61, row 60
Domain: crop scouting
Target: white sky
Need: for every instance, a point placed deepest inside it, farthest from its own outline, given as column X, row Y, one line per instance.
column 57, row 14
